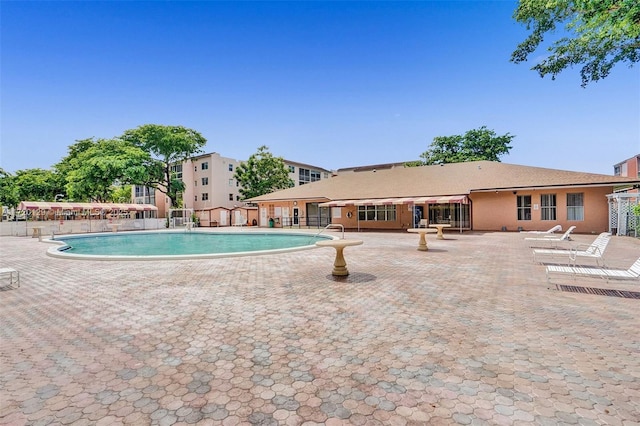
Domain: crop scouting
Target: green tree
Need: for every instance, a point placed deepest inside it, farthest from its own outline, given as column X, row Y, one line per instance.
column 474, row 145
column 169, row 146
column 600, row 33
column 262, row 173
column 8, row 190
column 96, row 171
column 122, row 194
column 70, row 161
column 37, row 184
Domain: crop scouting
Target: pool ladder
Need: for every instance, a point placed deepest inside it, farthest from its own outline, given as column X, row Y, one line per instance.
column 331, row 225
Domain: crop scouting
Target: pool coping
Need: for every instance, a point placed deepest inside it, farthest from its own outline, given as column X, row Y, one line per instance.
column 56, row 253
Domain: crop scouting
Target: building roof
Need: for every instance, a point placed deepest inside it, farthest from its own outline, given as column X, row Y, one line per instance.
column 637, row 156
column 293, row 163
column 441, row 180
column 307, row 166
column 41, row 205
column 371, row 167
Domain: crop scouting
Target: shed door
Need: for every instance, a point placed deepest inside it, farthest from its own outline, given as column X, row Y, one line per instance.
column 263, row 216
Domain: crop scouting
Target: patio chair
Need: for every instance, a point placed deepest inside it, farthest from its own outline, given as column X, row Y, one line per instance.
column 633, row 273
column 557, row 228
column 241, row 221
column 593, row 251
column 12, row 277
column 553, row 239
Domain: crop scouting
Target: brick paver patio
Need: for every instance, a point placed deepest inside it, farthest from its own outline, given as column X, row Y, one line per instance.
column 466, row 333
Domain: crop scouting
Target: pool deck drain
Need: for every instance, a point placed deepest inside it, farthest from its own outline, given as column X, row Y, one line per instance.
column 600, row 291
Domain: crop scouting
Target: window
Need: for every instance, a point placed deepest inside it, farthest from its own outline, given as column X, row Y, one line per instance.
column 204, row 165
column 237, row 198
column 141, row 191
column 621, row 170
column 145, row 194
column 548, row 206
column 205, row 196
column 195, row 198
column 575, row 206
column 377, row 213
column 176, row 170
column 195, row 183
column 230, row 182
column 230, row 197
column 307, row 176
column 292, row 169
column 524, row 207
column 205, row 181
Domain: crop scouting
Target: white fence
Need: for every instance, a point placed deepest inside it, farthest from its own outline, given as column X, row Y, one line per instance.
column 47, row 227
column 622, row 219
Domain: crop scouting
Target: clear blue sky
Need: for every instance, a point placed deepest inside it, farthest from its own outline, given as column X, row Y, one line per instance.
column 332, row 84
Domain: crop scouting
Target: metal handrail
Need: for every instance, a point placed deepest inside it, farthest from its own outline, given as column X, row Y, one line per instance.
column 331, row 225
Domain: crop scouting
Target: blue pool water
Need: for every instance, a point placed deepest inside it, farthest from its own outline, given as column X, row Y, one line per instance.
column 180, row 244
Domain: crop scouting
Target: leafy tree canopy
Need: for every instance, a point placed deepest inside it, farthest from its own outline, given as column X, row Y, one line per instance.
column 70, row 162
column 121, row 194
column 8, row 190
column 101, row 166
column 169, row 145
column 600, row 33
column 36, row 185
column 262, row 173
column 474, row 145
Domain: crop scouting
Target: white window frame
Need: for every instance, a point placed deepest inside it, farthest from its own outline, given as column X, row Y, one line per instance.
column 575, row 206
column 523, row 208
column 548, row 207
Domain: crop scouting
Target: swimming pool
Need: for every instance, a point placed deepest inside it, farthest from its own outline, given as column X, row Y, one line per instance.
column 178, row 245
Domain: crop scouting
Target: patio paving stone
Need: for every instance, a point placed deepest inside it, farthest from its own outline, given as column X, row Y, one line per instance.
column 469, row 332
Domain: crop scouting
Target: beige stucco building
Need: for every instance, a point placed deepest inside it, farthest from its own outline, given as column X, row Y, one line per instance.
column 212, row 191
column 480, row 196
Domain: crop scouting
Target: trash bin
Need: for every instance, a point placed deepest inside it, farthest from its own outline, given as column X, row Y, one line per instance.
column 271, row 223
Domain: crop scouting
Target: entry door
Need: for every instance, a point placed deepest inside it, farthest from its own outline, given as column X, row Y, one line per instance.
column 263, row 216
column 223, row 217
column 296, row 214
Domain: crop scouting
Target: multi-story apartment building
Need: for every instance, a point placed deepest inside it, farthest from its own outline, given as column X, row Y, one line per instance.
column 628, row 168
column 303, row 173
column 210, row 183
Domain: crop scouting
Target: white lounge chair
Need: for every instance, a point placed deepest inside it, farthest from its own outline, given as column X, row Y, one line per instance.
column 553, row 239
column 633, row 273
column 557, row 228
column 593, row 251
